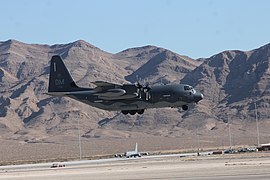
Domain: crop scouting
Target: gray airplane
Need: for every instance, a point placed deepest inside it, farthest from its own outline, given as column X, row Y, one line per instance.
column 127, row 98
column 133, row 153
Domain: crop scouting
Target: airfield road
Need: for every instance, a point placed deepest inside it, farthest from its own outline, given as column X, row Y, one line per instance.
column 221, row 167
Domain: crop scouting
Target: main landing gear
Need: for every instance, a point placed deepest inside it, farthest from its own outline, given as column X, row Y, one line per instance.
column 185, row 107
column 133, row 112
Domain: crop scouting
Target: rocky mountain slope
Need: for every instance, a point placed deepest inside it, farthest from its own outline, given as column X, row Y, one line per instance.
column 231, row 82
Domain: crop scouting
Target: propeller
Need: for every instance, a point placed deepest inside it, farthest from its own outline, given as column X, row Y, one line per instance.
column 142, row 88
column 146, row 87
column 139, row 85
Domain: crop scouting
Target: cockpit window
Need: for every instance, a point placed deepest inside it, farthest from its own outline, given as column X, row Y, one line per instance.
column 188, row 88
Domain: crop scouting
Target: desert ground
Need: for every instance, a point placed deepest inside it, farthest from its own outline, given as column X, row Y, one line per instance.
column 67, row 148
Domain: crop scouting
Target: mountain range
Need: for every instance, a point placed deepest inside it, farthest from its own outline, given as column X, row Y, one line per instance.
column 231, row 81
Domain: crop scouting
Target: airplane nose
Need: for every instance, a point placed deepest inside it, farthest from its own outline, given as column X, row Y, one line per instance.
column 198, row 97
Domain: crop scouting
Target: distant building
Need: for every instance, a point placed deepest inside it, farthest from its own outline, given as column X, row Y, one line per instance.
column 264, row 147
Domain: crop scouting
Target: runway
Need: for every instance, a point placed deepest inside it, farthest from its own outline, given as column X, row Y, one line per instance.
column 220, row 167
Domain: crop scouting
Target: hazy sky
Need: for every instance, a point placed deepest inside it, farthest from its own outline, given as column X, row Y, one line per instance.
column 196, row 28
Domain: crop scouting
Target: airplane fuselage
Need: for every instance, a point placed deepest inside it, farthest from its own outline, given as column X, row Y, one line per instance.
column 157, row 97
column 127, row 98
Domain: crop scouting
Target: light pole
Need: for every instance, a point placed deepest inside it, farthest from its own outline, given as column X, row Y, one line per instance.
column 257, row 124
column 198, row 142
column 79, row 134
column 230, row 135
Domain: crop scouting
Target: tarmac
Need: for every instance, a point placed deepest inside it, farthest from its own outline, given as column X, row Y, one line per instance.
column 176, row 166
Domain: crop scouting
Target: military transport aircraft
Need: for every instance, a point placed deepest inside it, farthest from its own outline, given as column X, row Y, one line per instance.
column 127, row 98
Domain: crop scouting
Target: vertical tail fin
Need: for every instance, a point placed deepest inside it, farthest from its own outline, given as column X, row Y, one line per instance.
column 136, row 148
column 60, row 79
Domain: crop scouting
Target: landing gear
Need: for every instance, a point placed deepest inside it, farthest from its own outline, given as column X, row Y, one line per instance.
column 133, row 112
column 125, row 112
column 185, row 107
column 141, row 111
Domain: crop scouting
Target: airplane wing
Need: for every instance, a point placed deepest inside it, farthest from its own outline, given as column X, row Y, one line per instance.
column 111, row 91
column 115, row 94
column 104, row 84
